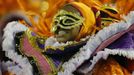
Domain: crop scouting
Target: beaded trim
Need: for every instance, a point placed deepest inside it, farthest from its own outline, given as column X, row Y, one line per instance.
column 18, row 49
column 61, row 46
column 33, row 40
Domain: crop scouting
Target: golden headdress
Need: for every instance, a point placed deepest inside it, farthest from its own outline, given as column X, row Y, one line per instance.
column 44, row 10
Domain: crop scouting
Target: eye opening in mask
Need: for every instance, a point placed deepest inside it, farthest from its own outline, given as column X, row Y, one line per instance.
column 67, row 20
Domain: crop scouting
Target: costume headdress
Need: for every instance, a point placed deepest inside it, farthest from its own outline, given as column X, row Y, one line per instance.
column 45, row 10
column 89, row 19
column 42, row 27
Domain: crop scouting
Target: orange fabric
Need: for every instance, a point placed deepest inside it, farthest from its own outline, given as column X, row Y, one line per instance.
column 45, row 17
column 109, row 67
column 130, row 65
column 99, row 5
column 43, row 26
column 105, row 1
column 7, row 73
column 124, row 6
column 92, row 3
column 32, row 10
column 7, row 6
column 30, row 5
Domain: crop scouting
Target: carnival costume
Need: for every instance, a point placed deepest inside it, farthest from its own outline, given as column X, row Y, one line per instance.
column 31, row 49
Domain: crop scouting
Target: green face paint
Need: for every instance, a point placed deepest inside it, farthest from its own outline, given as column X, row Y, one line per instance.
column 66, row 24
column 66, row 20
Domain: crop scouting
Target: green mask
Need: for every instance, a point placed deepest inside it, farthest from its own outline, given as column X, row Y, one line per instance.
column 66, row 24
column 66, row 20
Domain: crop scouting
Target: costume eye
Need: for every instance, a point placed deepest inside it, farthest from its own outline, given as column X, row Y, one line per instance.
column 67, row 20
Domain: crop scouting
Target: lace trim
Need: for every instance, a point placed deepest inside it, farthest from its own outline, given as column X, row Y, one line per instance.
column 94, row 42
column 21, row 65
column 128, row 53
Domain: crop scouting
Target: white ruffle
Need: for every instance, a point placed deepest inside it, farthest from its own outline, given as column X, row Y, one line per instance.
column 22, row 66
column 15, row 68
column 128, row 53
column 94, row 42
column 51, row 41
